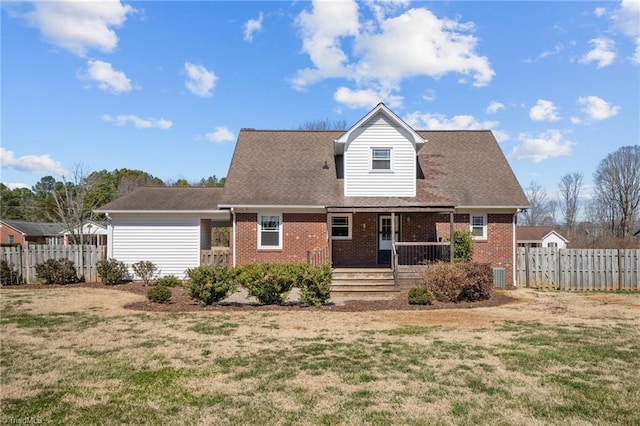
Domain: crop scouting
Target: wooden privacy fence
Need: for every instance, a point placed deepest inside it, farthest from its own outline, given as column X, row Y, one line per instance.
column 579, row 269
column 24, row 259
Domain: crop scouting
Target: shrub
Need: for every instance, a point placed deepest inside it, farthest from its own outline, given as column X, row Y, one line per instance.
column 458, row 282
column 270, row 283
column 462, row 246
column 314, row 283
column 159, row 294
column 112, row 271
column 170, row 281
column 146, row 270
column 210, row 284
column 420, row 295
column 479, row 284
column 9, row 275
column 57, row 271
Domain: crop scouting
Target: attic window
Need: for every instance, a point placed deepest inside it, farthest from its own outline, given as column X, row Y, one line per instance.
column 380, row 158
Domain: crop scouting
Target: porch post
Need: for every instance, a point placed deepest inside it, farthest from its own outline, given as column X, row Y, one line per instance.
column 451, row 237
column 329, row 241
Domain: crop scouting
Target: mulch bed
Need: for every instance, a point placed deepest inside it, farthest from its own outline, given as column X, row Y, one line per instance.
column 181, row 302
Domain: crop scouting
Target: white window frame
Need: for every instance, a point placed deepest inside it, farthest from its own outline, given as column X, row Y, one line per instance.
column 484, row 225
column 371, row 160
column 11, row 239
column 260, row 230
column 349, row 217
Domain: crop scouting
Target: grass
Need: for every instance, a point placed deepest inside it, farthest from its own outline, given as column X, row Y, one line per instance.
column 86, row 367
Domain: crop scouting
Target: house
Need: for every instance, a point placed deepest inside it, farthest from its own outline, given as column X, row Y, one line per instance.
column 50, row 233
column 24, row 232
column 380, row 194
column 540, row 236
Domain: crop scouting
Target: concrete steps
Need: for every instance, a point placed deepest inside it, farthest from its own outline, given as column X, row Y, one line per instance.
column 363, row 283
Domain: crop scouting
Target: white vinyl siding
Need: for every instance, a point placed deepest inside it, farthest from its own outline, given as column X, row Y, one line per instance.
column 360, row 180
column 172, row 243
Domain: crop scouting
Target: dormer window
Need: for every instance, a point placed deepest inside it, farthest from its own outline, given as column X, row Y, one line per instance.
column 380, row 158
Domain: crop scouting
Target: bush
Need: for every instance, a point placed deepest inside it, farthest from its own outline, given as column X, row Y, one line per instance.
column 420, row 295
column 210, row 284
column 270, row 283
column 9, row 275
column 459, row 282
column 159, row 294
column 169, row 281
column 462, row 246
column 112, row 271
column 57, row 271
column 314, row 283
column 146, row 270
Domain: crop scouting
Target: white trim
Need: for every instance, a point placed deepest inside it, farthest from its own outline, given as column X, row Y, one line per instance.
column 514, row 250
column 234, row 224
column 259, row 228
column 417, row 139
column 162, row 211
column 350, row 225
column 484, row 235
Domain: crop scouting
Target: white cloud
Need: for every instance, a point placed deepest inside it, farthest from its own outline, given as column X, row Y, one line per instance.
column 200, row 81
column 427, row 121
column 603, row 52
column 107, row 78
column 597, row 108
column 636, row 54
column 381, row 54
column 140, row 123
column 494, row 107
column 429, row 95
column 556, row 49
column 599, row 11
column 221, row 134
column 31, row 163
column 627, row 18
column 252, row 26
column 366, row 98
column 15, row 185
column 576, row 120
column 78, row 26
column 544, row 111
column 549, row 144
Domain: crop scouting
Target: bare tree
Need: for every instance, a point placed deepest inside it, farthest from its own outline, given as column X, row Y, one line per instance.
column 617, row 181
column 540, row 212
column 570, row 186
column 72, row 206
column 325, row 124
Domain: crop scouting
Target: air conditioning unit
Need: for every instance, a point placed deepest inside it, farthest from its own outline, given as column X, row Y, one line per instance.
column 500, row 277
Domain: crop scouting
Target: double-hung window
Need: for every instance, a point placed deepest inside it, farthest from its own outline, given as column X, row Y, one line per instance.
column 380, row 158
column 269, row 231
column 341, row 227
column 479, row 226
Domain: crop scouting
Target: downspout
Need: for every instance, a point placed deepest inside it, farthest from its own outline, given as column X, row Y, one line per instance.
column 233, row 232
column 514, row 248
column 109, row 236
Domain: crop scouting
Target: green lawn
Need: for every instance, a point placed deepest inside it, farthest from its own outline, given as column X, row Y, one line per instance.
column 67, row 359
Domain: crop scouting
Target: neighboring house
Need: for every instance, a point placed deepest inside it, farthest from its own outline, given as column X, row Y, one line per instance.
column 23, row 232
column 94, row 234
column 377, row 195
column 540, row 236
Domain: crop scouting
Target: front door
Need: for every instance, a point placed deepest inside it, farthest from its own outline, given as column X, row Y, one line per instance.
column 384, row 238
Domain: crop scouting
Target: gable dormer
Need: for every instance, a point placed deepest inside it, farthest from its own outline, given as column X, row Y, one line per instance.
column 379, row 156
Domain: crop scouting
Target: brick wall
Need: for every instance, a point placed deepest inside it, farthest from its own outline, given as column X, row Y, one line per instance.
column 5, row 231
column 361, row 249
column 304, row 232
column 301, row 232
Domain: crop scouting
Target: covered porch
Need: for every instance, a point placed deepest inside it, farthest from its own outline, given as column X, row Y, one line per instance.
column 398, row 240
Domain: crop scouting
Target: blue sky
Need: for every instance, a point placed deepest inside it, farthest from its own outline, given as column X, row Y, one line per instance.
column 166, row 86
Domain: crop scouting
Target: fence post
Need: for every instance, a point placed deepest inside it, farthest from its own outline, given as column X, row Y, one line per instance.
column 526, row 266
column 619, row 270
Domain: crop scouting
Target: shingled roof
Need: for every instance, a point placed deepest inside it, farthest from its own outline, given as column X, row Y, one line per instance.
column 534, row 233
column 298, row 168
column 160, row 198
column 35, row 229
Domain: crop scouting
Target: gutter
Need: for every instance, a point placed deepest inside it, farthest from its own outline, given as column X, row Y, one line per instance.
column 233, row 231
